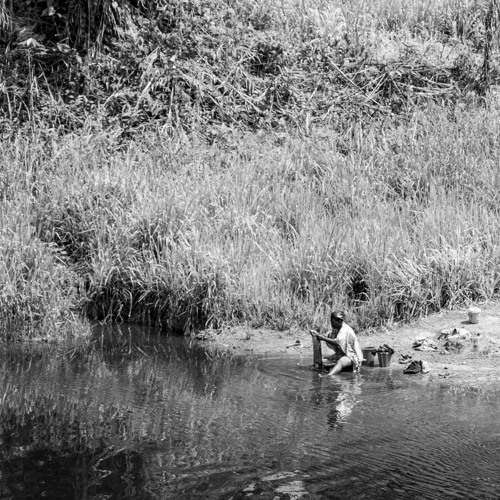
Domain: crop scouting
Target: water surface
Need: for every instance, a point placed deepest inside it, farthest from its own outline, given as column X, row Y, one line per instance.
column 142, row 416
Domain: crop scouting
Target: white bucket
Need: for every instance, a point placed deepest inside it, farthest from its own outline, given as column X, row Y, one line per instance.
column 474, row 315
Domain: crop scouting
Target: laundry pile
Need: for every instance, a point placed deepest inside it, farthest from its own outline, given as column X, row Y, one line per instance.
column 448, row 333
column 425, row 344
column 455, row 339
column 422, row 343
column 383, row 348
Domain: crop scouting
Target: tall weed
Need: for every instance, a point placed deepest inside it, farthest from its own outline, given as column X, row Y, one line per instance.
column 38, row 292
column 390, row 221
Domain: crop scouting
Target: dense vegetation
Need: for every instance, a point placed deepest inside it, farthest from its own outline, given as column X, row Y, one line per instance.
column 197, row 163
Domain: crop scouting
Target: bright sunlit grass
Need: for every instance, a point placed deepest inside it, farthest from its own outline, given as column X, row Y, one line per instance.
column 178, row 233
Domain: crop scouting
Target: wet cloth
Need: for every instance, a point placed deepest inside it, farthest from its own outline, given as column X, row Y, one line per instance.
column 425, row 366
column 413, row 367
column 417, row 367
column 347, row 345
column 425, row 344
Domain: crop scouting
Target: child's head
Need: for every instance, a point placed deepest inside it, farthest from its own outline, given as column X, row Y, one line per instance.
column 336, row 319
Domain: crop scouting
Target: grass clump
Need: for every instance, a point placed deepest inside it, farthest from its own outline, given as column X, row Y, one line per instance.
column 38, row 290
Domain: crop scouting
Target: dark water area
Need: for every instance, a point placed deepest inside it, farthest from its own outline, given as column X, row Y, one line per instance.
column 141, row 416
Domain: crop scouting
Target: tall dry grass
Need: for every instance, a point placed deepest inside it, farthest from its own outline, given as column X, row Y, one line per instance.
column 359, row 19
column 267, row 230
column 38, row 291
column 390, row 218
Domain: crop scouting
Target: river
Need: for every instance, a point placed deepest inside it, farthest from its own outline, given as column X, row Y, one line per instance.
column 143, row 416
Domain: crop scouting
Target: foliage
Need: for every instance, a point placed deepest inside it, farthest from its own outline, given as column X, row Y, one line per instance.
column 198, row 63
column 200, row 163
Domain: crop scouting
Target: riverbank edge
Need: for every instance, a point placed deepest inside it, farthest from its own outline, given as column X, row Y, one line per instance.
column 476, row 364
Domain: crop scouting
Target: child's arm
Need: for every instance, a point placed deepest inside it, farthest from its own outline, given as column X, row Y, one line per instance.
column 328, row 340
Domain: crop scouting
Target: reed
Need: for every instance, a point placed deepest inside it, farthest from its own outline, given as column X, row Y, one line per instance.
column 38, row 290
column 180, row 233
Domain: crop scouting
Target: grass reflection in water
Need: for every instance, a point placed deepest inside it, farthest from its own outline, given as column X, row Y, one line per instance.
column 138, row 416
column 79, row 422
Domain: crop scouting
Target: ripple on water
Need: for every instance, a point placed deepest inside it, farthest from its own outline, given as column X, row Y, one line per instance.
column 402, row 434
column 228, row 429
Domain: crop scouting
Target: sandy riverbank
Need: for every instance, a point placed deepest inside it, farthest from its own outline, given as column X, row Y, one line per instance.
column 473, row 361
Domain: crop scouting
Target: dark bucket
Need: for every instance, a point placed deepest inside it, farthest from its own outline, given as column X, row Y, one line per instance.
column 384, row 358
column 369, row 357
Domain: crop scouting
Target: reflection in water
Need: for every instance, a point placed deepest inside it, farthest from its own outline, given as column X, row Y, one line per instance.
column 339, row 394
column 140, row 416
column 45, row 473
column 345, row 401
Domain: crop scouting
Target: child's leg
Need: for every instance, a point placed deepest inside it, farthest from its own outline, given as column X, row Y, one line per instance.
column 341, row 364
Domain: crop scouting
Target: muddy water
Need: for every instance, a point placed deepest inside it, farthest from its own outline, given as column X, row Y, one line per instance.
column 141, row 417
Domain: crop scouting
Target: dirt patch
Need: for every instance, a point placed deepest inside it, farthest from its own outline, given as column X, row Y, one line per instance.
column 472, row 358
